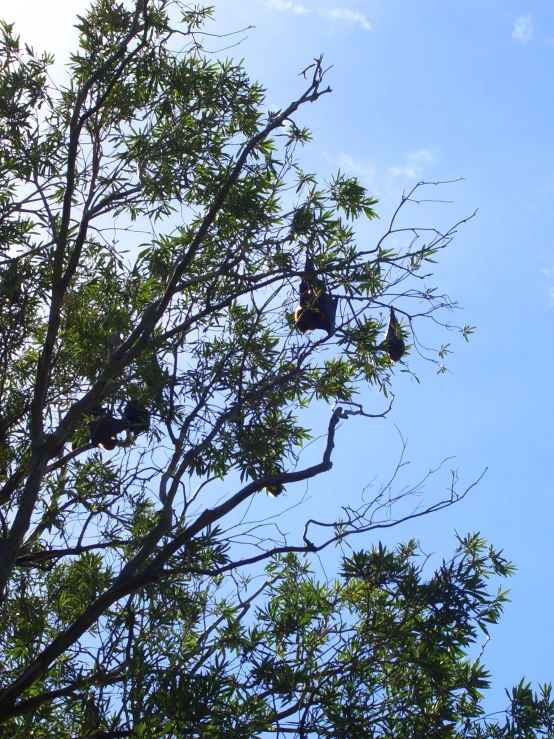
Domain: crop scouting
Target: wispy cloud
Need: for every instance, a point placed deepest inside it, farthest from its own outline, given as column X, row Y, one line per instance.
column 415, row 163
column 523, row 28
column 349, row 16
column 288, row 5
column 331, row 14
column 365, row 171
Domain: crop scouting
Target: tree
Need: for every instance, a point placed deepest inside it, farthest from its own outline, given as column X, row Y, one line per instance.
column 137, row 377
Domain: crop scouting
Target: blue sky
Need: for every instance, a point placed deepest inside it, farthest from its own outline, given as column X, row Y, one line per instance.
column 435, row 91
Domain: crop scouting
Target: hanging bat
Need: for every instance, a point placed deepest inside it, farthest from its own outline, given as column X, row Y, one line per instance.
column 395, row 346
column 104, row 431
column 137, row 417
column 316, row 310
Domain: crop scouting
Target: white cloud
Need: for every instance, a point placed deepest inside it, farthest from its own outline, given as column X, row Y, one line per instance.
column 349, row 16
column 551, row 295
column 523, row 28
column 365, row 171
column 331, row 14
column 415, row 164
column 288, row 5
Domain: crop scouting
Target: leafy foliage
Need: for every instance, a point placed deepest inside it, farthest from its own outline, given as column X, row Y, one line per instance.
column 154, row 225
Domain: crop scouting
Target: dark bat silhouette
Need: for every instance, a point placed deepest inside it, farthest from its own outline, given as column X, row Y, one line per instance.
column 104, row 431
column 137, row 417
column 394, row 342
column 316, row 310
